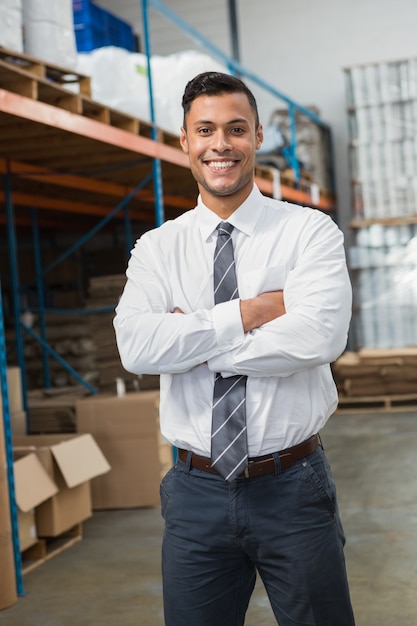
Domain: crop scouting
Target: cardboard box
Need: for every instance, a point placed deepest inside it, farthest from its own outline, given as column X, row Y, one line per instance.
column 14, row 390
column 127, row 430
column 8, row 591
column 33, row 485
column 18, row 422
column 71, row 461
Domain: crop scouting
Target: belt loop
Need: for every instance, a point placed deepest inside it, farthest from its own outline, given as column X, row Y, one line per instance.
column 278, row 470
column 186, row 463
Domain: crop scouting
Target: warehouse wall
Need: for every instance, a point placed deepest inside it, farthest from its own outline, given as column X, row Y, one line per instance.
column 165, row 38
column 300, row 47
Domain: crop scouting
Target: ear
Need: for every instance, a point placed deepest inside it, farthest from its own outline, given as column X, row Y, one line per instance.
column 259, row 136
column 183, row 140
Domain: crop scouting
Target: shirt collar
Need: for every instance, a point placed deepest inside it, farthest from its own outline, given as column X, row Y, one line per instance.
column 244, row 218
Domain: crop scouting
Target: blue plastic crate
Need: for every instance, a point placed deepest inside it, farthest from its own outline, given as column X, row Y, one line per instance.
column 95, row 27
column 121, row 31
column 82, row 11
column 88, row 38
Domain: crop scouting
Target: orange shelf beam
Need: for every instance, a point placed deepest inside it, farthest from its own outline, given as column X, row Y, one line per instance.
column 26, row 108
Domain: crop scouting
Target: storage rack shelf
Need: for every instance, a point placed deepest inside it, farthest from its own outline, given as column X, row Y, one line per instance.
column 51, row 136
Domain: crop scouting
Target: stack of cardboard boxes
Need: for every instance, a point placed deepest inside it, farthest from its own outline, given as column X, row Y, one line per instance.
column 115, row 460
column 53, row 474
column 8, row 592
column 127, row 430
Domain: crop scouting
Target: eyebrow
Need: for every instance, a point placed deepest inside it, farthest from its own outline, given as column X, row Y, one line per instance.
column 239, row 120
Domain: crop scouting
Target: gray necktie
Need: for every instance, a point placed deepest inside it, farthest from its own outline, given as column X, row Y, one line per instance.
column 228, row 439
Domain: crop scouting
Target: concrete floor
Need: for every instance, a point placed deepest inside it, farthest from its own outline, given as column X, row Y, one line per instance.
column 112, row 576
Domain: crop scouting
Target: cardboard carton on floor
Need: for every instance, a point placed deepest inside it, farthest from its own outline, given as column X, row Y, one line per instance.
column 71, row 461
column 8, row 591
column 33, row 485
column 127, row 430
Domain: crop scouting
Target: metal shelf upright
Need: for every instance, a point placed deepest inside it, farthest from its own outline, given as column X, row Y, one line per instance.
column 235, row 67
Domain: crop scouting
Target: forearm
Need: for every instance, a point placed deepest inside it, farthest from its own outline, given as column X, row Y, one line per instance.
column 313, row 330
column 264, row 308
column 282, row 347
column 153, row 342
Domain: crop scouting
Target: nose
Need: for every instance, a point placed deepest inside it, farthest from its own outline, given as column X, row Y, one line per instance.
column 221, row 141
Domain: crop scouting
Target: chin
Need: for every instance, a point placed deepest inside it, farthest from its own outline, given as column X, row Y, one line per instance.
column 222, row 190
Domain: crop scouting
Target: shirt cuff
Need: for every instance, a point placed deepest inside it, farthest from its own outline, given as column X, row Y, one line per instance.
column 228, row 325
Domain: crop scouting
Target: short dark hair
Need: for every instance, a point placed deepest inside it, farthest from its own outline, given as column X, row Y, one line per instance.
column 215, row 84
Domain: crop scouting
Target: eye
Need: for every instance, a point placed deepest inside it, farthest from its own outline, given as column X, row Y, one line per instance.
column 237, row 130
column 204, row 131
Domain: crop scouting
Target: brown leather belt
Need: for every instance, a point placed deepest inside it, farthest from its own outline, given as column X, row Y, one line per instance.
column 261, row 465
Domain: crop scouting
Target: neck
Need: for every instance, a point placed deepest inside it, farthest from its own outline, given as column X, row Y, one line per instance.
column 224, row 206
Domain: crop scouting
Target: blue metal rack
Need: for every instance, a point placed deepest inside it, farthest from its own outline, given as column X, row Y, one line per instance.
column 236, row 68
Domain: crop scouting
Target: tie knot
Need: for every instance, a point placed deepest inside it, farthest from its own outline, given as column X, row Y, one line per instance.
column 225, row 229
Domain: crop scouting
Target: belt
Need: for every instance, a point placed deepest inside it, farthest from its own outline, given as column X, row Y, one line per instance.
column 261, row 465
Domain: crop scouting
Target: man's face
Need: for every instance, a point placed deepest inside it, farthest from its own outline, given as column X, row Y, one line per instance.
column 220, row 139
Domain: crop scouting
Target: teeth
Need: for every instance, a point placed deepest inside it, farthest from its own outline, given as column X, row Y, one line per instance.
column 220, row 165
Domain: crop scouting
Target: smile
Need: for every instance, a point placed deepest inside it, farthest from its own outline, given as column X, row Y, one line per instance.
column 220, row 165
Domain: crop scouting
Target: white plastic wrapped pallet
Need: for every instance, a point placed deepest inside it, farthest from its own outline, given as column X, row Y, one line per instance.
column 48, row 31
column 119, row 80
column 385, row 263
column 11, row 25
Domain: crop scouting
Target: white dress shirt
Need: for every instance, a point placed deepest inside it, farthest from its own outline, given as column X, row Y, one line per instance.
column 290, row 389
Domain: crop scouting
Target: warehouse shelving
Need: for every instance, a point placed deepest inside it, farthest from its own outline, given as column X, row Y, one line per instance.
column 381, row 99
column 297, row 190
column 71, row 163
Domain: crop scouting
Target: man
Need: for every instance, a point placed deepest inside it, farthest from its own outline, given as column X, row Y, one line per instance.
column 270, row 335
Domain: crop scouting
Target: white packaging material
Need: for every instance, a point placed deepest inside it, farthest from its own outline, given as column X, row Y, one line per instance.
column 119, row 79
column 371, row 81
column 170, row 75
column 358, row 91
column 385, row 258
column 48, row 31
column 11, row 25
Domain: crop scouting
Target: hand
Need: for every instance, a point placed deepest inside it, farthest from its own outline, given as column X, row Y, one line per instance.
column 262, row 309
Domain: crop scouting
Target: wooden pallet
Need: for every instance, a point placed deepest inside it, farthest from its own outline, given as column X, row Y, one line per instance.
column 299, row 191
column 381, row 403
column 66, row 89
column 46, row 549
column 16, row 67
column 32, row 78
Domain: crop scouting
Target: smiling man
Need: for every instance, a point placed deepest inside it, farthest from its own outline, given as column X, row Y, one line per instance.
column 220, row 135
column 240, row 304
